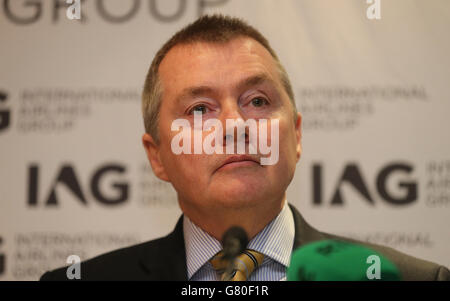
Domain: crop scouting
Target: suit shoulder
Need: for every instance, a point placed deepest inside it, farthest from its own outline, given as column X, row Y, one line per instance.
column 118, row 264
column 410, row 267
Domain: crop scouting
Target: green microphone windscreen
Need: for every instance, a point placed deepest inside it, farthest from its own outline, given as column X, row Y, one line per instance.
column 335, row 260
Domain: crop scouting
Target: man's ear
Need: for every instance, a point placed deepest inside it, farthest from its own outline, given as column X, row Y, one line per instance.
column 153, row 150
column 298, row 133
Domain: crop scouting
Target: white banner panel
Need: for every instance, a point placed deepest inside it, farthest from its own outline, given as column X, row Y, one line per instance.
column 74, row 178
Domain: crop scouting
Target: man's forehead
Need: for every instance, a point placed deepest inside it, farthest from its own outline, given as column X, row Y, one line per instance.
column 206, row 61
column 241, row 44
column 246, row 82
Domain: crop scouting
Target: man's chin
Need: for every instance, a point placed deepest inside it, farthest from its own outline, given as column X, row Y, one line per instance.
column 239, row 199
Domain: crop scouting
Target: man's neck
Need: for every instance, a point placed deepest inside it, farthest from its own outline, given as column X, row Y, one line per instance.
column 252, row 219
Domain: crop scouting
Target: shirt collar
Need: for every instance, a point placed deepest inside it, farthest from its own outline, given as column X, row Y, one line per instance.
column 274, row 241
column 200, row 246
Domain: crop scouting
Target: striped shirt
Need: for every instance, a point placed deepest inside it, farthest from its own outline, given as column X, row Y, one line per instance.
column 275, row 241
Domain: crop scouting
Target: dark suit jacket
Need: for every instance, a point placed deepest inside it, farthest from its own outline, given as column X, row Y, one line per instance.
column 165, row 258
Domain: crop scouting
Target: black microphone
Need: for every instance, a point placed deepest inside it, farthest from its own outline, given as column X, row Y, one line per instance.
column 234, row 242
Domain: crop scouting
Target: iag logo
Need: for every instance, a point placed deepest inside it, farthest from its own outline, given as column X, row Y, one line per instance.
column 2, row 259
column 404, row 193
column 116, row 194
column 5, row 114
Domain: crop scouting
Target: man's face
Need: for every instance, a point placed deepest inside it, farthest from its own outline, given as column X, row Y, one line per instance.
column 238, row 79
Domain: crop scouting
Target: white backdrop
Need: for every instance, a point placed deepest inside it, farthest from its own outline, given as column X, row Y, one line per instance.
column 73, row 174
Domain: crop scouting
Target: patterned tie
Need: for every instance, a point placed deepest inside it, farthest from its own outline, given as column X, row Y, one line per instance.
column 245, row 264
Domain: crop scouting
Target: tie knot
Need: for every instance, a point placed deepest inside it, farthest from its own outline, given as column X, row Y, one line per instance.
column 243, row 266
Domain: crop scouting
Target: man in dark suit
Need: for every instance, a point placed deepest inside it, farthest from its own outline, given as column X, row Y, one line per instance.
column 222, row 69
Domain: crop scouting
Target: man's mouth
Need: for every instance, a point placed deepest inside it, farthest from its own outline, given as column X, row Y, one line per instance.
column 238, row 161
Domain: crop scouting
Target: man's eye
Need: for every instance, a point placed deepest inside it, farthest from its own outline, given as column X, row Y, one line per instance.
column 259, row 102
column 202, row 109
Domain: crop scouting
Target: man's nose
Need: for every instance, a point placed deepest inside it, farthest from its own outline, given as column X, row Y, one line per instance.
column 231, row 111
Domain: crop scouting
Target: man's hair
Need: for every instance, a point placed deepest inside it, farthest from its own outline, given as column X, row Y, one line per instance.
column 210, row 29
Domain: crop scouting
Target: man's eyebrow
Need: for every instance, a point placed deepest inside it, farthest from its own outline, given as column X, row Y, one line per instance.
column 254, row 80
column 192, row 92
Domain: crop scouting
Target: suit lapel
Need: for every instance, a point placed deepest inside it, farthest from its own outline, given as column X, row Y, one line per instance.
column 165, row 258
column 304, row 233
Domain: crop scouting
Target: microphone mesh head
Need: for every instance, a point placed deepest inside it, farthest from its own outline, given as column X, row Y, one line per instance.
column 234, row 242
